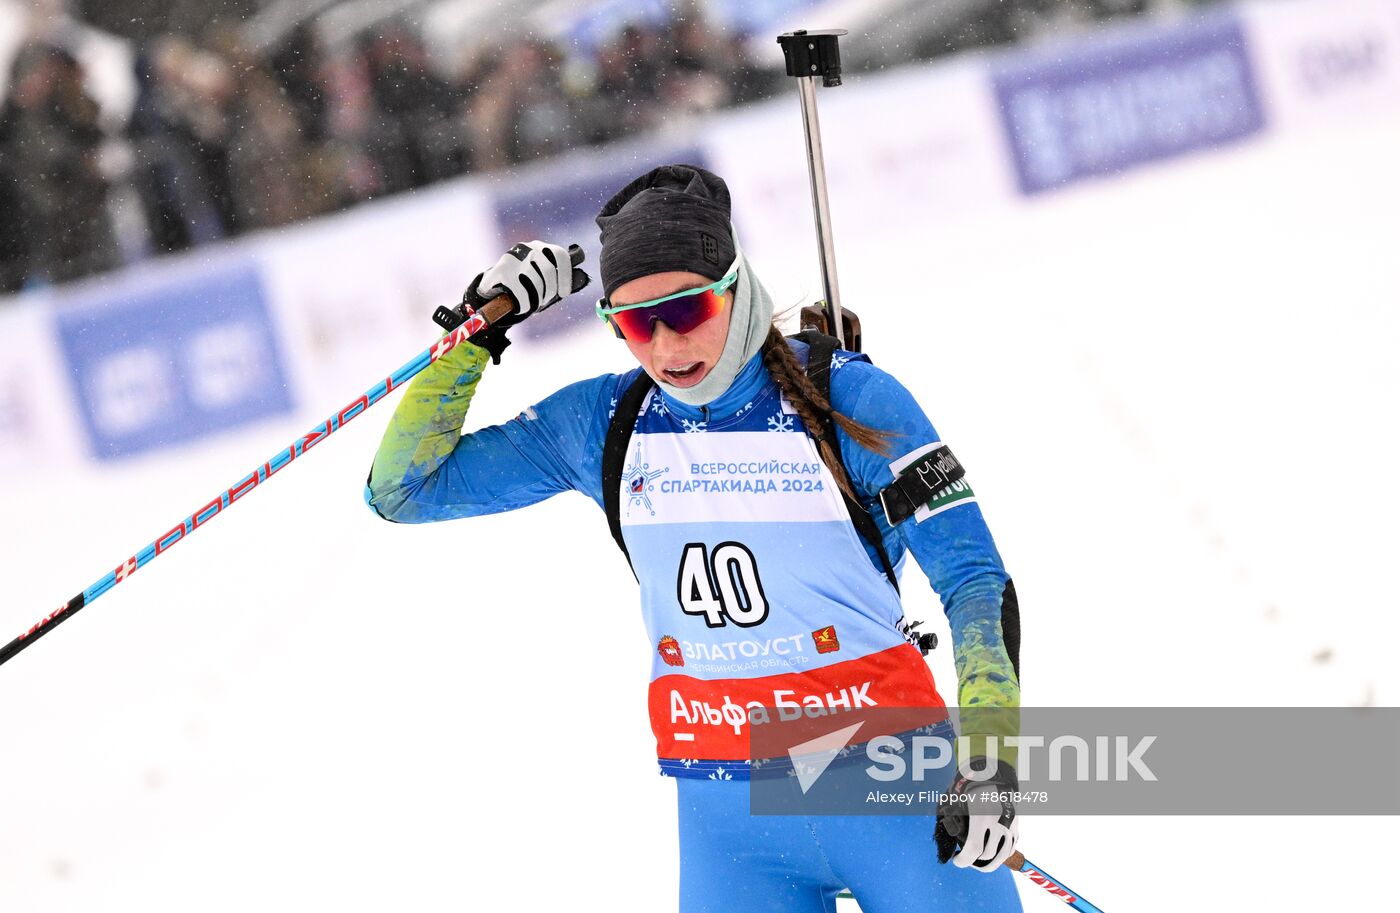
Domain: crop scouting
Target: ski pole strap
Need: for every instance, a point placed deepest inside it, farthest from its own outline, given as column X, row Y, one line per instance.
column 918, row 482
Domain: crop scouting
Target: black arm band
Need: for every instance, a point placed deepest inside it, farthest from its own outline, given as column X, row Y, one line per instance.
column 919, row 482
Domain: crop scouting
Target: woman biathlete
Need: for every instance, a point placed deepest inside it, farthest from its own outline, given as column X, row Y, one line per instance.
column 757, row 590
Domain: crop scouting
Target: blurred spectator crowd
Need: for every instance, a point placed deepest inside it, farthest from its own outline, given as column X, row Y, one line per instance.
column 224, row 140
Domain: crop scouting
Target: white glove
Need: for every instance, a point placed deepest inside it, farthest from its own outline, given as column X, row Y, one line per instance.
column 534, row 275
column 992, row 829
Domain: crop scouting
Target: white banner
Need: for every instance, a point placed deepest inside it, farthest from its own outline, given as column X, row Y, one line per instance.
column 354, row 294
column 1323, row 60
column 908, row 149
column 39, row 426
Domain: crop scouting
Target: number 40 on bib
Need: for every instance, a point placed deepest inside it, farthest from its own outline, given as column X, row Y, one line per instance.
column 721, row 584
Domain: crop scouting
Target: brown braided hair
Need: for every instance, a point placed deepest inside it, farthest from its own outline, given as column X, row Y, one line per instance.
column 813, row 408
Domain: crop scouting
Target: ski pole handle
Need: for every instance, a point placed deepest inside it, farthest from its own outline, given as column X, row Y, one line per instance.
column 474, row 320
column 496, row 308
column 491, row 311
column 500, row 306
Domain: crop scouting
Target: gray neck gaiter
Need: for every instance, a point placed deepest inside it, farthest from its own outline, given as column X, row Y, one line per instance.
column 749, row 319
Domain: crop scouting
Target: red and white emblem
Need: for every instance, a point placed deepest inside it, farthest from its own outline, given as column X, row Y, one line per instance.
column 670, row 651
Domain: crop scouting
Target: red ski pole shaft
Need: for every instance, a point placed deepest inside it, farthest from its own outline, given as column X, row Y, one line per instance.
column 1017, row 862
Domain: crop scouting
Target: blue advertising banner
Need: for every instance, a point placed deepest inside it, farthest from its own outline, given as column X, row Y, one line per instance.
column 563, row 211
column 172, row 361
column 1105, row 108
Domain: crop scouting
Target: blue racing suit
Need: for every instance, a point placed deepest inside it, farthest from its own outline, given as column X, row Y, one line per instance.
column 756, row 591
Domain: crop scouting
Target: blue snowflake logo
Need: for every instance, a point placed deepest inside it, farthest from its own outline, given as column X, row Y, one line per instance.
column 658, row 405
column 840, row 358
column 780, row 423
column 721, row 774
column 639, row 478
column 692, row 427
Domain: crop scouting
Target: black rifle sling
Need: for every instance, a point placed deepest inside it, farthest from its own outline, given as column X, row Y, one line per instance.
column 615, row 455
column 821, row 348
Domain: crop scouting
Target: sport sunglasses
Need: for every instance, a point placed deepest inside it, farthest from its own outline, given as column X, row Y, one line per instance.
column 682, row 311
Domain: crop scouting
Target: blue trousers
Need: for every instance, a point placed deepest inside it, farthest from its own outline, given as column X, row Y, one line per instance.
column 735, row 862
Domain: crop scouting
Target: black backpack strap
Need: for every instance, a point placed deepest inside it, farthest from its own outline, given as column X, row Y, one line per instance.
column 615, row 455
column 820, row 348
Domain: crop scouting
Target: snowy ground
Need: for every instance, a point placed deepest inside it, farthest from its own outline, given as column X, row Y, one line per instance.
column 1175, row 398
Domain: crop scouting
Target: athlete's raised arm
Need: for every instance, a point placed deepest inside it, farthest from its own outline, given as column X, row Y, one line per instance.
column 426, row 469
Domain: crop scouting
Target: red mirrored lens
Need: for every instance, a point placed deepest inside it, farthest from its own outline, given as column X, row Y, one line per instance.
column 681, row 314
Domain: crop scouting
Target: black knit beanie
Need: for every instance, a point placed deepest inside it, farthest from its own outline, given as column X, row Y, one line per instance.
column 673, row 218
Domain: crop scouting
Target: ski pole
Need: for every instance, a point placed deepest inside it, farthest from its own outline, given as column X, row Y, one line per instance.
column 1017, row 862
column 467, row 319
